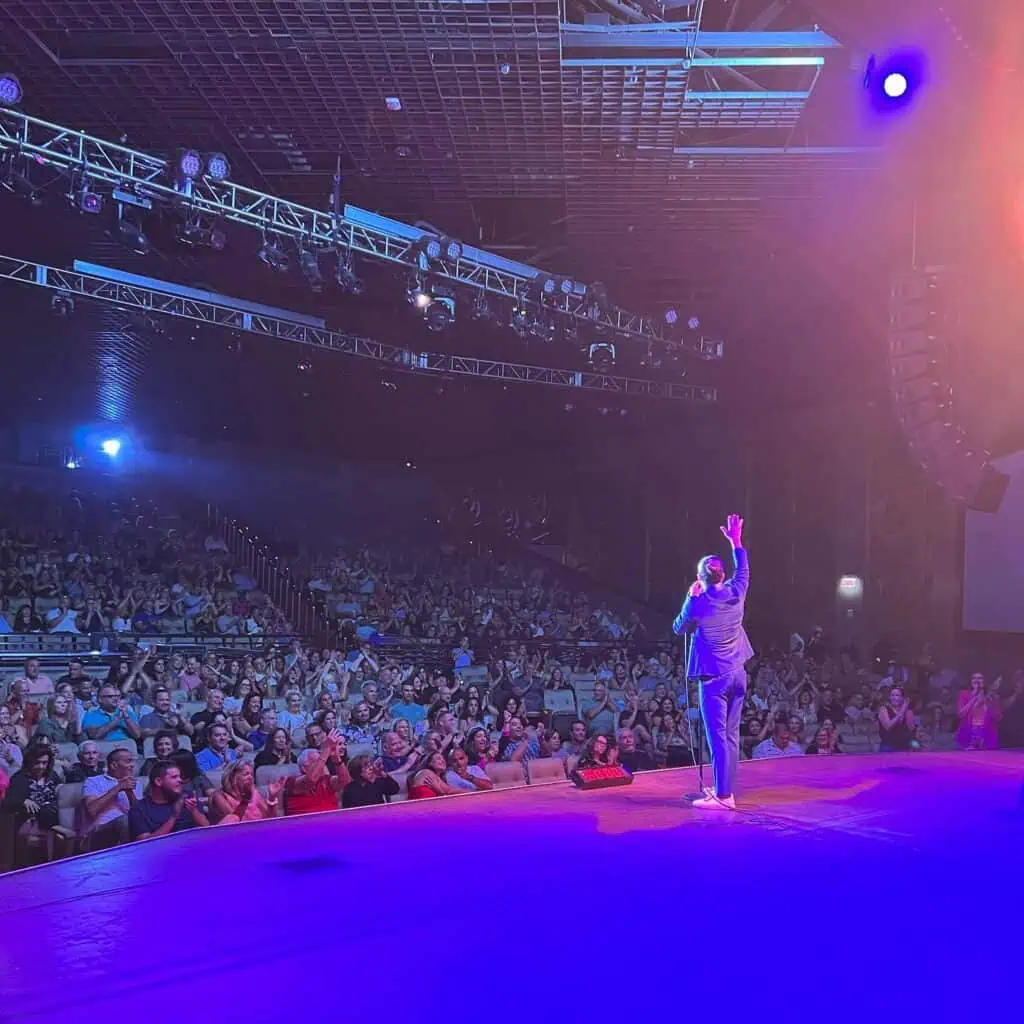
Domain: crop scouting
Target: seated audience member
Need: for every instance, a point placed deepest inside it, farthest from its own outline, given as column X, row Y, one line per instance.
column 89, row 763
column 10, row 750
column 462, row 775
column 293, row 718
column 397, row 756
column 518, row 745
column 164, row 716
column 165, row 743
column 428, row 779
column 632, row 759
column 165, row 807
column 370, row 785
column 247, row 719
column 362, row 732
column 596, row 754
column 202, row 720
column 826, row 742
column 277, row 750
column 268, row 723
column 217, row 752
column 779, row 743
column 599, row 712
column 314, row 788
column 60, row 723
column 194, row 781
column 11, row 731
column 577, row 740
column 113, row 719
column 552, row 746
column 896, row 725
column 108, row 798
column 239, row 799
column 25, row 711
column 858, row 714
column 480, row 749
column 31, row 799
column 34, row 683
column 408, row 707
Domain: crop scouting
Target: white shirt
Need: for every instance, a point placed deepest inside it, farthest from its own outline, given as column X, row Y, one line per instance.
column 769, row 749
column 66, row 625
column 96, row 786
column 453, row 779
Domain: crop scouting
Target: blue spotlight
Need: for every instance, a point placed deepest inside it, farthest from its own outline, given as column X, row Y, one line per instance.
column 111, row 446
column 893, row 81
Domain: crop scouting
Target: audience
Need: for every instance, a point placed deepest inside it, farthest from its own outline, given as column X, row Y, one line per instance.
column 441, row 665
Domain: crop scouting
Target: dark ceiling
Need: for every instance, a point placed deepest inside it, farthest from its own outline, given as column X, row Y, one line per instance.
column 574, row 168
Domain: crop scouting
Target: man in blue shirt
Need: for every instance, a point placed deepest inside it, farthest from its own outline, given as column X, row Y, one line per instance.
column 113, row 719
column 713, row 612
column 217, row 754
column 407, row 707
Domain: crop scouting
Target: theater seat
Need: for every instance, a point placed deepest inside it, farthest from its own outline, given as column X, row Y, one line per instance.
column 505, row 774
column 69, row 805
column 546, row 769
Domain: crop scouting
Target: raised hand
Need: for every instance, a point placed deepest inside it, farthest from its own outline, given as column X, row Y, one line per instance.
column 697, row 588
column 733, row 530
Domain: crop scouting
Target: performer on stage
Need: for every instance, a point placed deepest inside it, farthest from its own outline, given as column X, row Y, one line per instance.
column 713, row 612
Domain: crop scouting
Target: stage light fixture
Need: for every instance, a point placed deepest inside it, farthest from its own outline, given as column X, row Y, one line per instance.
column 87, row 201
column 452, row 250
column 218, row 239
column 345, row 273
column 693, row 323
column 893, row 82
column 62, row 304
column 190, row 164
column 671, row 317
column 10, row 89
column 131, row 236
column 601, row 356
column 417, row 296
column 309, row 264
column 18, row 182
column 895, row 85
column 273, row 255
column 111, row 447
column 432, row 248
column 440, row 312
column 520, row 318
column 567, row 286
column 217, row 167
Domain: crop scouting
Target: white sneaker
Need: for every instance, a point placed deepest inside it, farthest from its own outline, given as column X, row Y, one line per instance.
column 715, row 803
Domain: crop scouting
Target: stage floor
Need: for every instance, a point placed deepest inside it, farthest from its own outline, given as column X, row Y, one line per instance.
column 885, row 884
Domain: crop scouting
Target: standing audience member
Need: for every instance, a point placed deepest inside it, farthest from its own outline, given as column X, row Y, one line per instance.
column 896, row 724
column 979, row 716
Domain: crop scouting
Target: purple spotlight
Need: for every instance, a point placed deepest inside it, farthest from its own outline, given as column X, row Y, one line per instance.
column 893, row 82
column 10, row 89
column 190, row 163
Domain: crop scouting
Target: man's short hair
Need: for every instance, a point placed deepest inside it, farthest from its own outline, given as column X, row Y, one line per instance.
column 160, row 769
column 87, row 743
column 113, row 755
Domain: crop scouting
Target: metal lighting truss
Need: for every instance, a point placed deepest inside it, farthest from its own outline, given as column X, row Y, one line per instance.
column 359, row 230
column 217, row 310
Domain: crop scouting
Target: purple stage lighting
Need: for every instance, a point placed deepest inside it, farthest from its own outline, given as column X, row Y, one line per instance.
column 217, row 167
column 190, row 163
column 10, row 89
column 893, row 81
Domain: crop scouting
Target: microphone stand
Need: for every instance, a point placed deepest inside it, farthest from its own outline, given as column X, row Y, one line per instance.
column 687, row 643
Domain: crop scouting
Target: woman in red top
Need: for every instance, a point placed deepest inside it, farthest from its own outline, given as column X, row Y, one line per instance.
column 314, row 788
column 428, row 779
